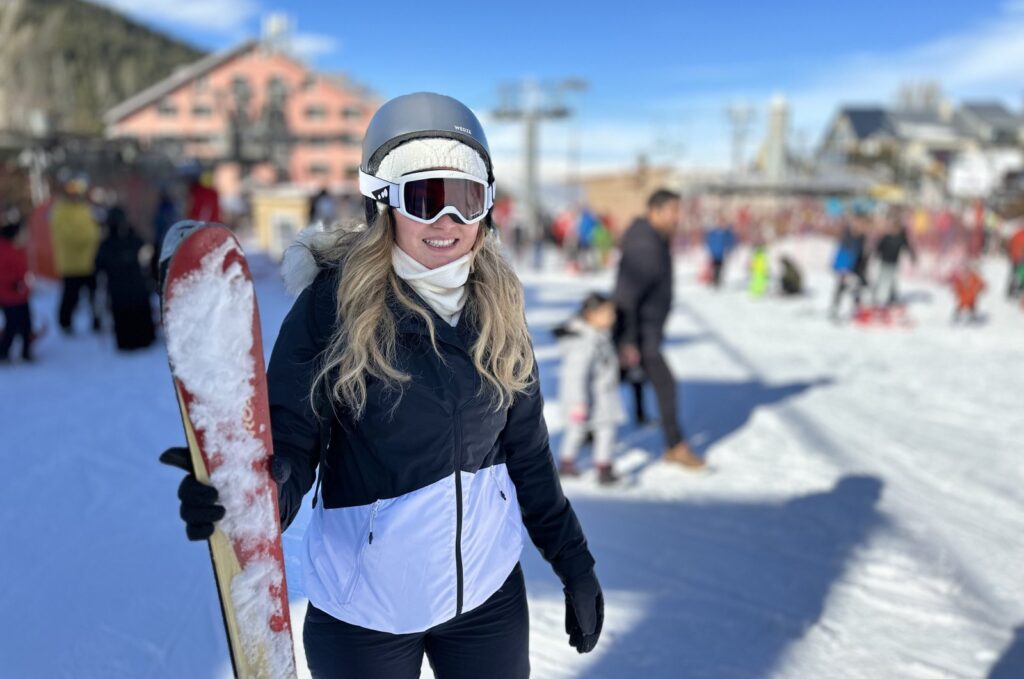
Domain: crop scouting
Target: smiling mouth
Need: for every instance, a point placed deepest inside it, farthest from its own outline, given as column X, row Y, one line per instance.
column 441, row 243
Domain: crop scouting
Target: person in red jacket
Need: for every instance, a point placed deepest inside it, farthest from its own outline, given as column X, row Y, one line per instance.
column 203, row 199
column 14, row 292
column 967, row 285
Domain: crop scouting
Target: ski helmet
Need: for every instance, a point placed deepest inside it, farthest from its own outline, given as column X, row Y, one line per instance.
column 421, row 115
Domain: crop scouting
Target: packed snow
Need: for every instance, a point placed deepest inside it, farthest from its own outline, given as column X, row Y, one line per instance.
column 862, row 515
column 208, row 318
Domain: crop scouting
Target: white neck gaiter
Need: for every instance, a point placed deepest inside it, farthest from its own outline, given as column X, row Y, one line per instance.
column 443, row 288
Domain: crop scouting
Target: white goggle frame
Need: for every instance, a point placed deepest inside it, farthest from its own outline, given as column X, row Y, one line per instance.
column 392, row 193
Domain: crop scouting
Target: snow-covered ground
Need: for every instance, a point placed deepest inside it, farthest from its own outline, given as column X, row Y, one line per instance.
column 863, row 516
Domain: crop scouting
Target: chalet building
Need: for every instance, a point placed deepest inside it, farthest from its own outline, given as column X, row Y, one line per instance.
column 921, row 141
column 256, row 114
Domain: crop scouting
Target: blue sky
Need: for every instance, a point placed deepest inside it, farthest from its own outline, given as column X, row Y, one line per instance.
column 660, row 74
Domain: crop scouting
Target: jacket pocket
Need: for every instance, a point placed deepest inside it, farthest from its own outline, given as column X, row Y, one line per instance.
column 365, row 542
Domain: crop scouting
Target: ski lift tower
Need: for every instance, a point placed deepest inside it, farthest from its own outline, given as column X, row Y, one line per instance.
column 532, row 102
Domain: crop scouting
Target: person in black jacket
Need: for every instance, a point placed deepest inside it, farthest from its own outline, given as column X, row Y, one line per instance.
column 643, row 295
column 120, row 261
column 404, row 382
column 888, row 250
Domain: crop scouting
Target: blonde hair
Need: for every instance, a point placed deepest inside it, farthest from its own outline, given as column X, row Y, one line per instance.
column 364, row 339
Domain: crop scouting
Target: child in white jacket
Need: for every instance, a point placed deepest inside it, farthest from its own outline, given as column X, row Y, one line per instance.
column 589, row 386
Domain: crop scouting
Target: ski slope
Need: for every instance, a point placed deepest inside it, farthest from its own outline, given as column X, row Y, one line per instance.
column 863, row 515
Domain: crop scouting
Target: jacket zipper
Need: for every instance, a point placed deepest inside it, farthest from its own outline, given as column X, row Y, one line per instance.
column 497, row 485
column 373, row 515
column 458, row 515
column 358, row 568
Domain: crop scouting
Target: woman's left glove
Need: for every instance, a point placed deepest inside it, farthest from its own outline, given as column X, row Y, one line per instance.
column 584, row 611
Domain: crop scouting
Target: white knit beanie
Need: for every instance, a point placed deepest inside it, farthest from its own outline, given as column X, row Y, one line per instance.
column 435, row 153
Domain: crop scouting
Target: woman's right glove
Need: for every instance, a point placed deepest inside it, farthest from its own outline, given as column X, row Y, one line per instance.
column 199, row 508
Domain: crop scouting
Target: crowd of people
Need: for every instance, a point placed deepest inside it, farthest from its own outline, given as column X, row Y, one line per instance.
column 615, row 339
column 106, row 266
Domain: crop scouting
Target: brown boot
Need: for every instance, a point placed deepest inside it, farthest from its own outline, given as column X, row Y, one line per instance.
column 606, row 475
column 568, row 468
column 681, row 454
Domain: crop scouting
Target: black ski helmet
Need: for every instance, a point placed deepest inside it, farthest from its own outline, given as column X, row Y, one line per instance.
column 421, row 115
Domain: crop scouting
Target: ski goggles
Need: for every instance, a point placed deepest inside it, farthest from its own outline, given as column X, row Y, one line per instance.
column 427, row 196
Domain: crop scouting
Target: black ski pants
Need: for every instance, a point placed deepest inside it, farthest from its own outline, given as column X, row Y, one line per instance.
column 73, row 286
column 660, row 376
column 17, row 323
column 492, row 640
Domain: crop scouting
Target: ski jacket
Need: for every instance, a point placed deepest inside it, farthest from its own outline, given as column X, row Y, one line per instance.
column 851, row 255
column 892, row 245
column 422, row 501
column 118, row 258
column 643, row 288
column 76, row 236
column 720, row 240
column 13, row 273
column 590, row 374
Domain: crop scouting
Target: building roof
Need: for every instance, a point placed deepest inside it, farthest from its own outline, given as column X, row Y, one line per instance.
column 172, row 82
column 994, row 114
column 867, row 121
column 922, row 125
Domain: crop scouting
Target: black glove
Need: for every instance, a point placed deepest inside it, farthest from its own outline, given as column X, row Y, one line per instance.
column 199, row 506
column 584, row 611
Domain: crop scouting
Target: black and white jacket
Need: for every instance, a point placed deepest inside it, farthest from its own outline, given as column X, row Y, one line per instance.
column 422, row 501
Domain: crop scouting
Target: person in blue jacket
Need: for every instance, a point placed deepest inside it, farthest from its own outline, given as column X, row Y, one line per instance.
column 720, row 239
column 403, row 382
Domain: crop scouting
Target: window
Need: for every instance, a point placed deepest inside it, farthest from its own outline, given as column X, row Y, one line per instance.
column 166, row 109
column 352, row 172
column 276, row 88
column 201, row 111
column 319, row 169
column 316, row 112
column 240, row 86
column 317, row 141
column 348, row 139
column 351, row 113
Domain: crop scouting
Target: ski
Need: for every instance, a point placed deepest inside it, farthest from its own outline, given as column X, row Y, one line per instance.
column 212, row 329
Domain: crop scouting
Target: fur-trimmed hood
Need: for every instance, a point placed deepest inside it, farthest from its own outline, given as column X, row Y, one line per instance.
column 302, row 260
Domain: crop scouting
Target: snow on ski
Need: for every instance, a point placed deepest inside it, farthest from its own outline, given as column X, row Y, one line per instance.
column 216, row 357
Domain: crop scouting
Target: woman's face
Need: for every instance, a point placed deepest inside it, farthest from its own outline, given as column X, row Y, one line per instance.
column 437, row 244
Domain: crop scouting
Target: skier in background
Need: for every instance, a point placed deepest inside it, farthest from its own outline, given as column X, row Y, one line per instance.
column 720, row 240
column 890, row 247
column 404, row 373
column 14, row 289
column 322, row 208
column 203, row 199
column 967, row 285
column 851, row 261
column 1015, row 254
column 589, row 386
column 643, row 297
column 759, row 270
column 76, row 236
column 164, row 217
column 119, row 260
column 791, row 281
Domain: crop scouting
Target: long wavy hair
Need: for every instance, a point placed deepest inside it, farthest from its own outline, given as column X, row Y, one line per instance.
column 363, row 343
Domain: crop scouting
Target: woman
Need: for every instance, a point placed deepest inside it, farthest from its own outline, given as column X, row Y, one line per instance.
column 404, row 373
column 119, row 259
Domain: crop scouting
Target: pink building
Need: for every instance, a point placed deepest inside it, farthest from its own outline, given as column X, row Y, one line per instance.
column 257, row 114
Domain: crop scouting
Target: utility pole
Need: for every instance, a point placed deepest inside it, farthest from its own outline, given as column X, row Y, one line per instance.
column 533, row 103
column 740, row 117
